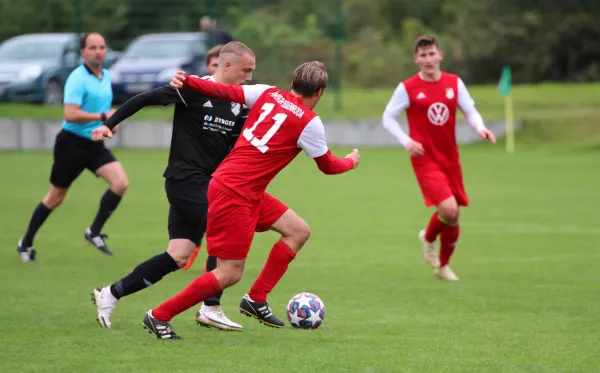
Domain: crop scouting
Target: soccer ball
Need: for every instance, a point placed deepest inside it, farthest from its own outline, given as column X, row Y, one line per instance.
column 306, row 311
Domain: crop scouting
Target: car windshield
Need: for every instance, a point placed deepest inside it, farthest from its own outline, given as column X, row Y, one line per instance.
column 160, row 49
column 24, row 50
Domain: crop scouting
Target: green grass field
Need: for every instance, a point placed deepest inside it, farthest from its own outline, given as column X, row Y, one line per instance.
column 528, row 261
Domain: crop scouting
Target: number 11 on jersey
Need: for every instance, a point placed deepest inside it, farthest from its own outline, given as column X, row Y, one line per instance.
column 278, row 119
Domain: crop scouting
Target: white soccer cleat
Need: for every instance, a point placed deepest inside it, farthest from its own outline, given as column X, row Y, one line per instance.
column 445, row 273
column 429, row 252
column 105, row 304
column 213, row 316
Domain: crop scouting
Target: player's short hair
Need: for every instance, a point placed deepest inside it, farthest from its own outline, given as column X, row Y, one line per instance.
column 234, row 50
column 309, row 78
column 425, row 41
column 212, row 53
column 83, row 39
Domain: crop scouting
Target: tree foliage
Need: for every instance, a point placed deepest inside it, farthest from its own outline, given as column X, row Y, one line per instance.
column 542, row 40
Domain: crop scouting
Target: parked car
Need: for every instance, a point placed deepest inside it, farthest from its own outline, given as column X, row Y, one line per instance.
column 150, row 61
column 34, row 67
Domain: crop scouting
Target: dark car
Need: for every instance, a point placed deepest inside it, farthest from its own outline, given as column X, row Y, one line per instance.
column 150, row 61
column 34, row 67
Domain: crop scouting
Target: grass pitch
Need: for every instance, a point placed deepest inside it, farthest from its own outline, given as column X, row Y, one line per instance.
column 527, row 257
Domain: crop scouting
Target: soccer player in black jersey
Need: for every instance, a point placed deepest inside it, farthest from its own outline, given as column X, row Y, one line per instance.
column 204, row 131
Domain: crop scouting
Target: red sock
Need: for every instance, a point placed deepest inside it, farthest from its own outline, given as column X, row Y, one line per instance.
column 448, row 243
column 434, row 228
column 201, row 288
column 279, row 258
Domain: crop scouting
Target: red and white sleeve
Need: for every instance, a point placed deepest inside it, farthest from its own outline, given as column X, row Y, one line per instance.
column 397, row 104
column 467, row 106
column 314, row 143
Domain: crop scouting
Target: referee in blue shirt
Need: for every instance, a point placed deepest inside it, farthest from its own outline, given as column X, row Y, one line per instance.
column 87, row 103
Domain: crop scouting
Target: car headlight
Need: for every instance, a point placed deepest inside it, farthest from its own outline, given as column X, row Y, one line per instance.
column 29, row 73
column 166, row 75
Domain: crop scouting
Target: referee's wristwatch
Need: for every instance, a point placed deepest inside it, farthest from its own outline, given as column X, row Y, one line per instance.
column 103, row 117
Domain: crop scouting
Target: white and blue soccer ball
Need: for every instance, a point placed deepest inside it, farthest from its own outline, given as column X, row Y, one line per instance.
column 306, row 311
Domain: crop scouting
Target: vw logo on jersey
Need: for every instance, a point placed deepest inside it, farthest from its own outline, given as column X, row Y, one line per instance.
column 208, row 118
column 438, row 113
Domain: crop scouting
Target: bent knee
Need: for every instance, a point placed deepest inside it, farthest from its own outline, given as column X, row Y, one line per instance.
column 303, row 232
column 181, row 251
column 229, row 273
column 449, row 213
column 120, row 186
column 54, row 198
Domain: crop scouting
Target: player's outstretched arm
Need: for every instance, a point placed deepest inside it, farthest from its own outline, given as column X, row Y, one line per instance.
column 467, row 105
column 247, row 94
column 314, row 143
column 153, row 97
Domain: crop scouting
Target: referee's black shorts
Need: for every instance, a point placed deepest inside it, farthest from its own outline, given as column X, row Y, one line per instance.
column 188, row 207
column 73, row 154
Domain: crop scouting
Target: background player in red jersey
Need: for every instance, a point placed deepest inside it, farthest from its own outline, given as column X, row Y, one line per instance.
column 430, row 99
column 279, row 126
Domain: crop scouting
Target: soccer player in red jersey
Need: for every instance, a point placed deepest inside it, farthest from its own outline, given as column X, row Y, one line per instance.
column 430, row 99
column 279, row 126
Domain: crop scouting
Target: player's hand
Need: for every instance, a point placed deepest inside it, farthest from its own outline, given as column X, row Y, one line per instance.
column 101, row 133
column 355, row 156
column 414, row 148
column 115, row 129
column 178, row 79
column 487, row 134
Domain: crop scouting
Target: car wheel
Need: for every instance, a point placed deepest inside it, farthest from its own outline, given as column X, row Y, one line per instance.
column 53, row 94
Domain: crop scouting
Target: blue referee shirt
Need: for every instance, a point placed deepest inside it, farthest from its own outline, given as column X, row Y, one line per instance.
column 93, row 95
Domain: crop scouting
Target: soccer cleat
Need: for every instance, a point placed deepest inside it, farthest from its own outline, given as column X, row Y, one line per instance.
column 445, row 273
column 27, row 254
column 105, row 305
column 429, row 252
column 213, row 316
column 260, row 311
column 161, row 329
column 191, row 259
column 98, row 241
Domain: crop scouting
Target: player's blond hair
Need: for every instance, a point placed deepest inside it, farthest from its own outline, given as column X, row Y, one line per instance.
column 233, row 52
column 310, row 78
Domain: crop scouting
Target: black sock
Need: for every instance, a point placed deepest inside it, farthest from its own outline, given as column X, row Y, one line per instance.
column 40, row 214
column 108, row 204
column 146, row 274
column 211, row 263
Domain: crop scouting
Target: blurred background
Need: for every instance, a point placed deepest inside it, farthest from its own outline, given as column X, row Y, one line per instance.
column 366, row 46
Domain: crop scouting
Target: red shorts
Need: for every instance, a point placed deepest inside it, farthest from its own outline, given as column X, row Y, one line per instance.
column 232, row 221
column 438, row 184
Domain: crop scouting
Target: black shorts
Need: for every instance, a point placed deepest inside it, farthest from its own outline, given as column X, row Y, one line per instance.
column 73, row 154
column 188, row 207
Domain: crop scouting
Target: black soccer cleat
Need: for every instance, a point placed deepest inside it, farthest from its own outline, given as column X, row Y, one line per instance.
column 27, row 254
column 161, row 329
column 97, row 239
column 260, row 311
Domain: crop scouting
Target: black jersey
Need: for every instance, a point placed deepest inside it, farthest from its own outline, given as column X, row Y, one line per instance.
column 204, row 128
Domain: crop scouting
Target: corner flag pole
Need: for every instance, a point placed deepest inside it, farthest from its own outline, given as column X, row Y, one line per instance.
column 505, row 87
column 510, row 125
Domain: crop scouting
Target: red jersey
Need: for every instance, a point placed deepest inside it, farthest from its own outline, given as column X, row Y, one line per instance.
column 278, row 127
column 431, row 117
